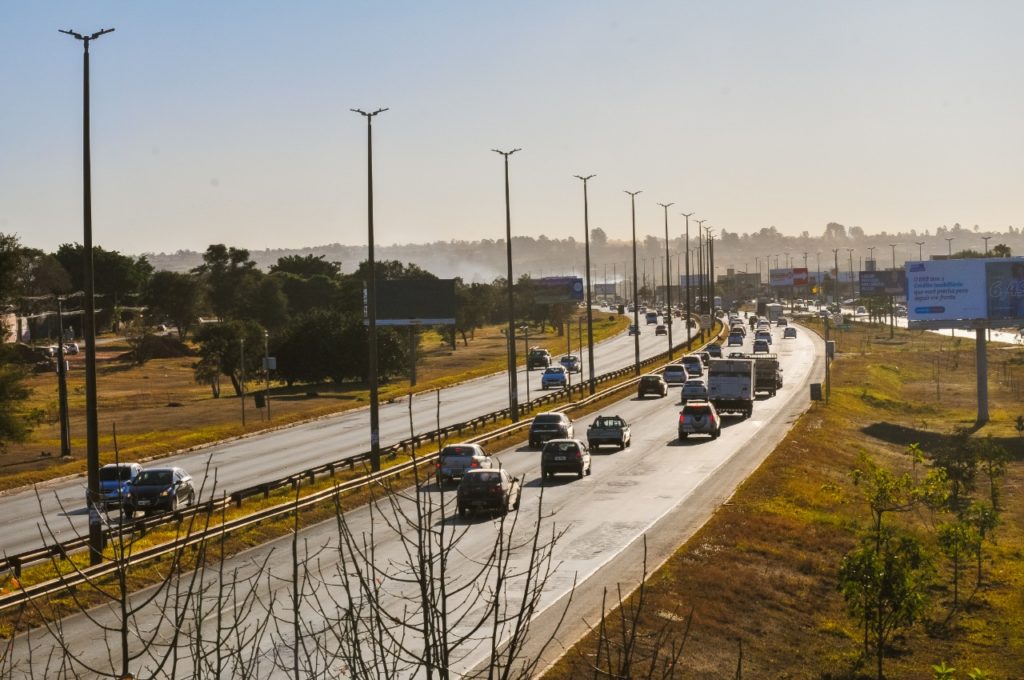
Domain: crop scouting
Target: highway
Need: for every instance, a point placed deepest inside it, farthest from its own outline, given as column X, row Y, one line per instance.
column 244, row 462
column 660, row 488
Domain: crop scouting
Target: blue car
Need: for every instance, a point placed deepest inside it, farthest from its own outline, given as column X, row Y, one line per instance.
column 554, row 376
column 115, row 479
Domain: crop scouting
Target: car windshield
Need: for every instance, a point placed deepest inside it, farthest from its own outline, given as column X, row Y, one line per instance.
column 554, row 370
column 697, row 411
column 694, row 383
column 460, row 451
column 482, row 478
column 115, row 474
column 551, row 419
column 154, row 478
column 608, row 422
column 649, row 379
column 561, row 447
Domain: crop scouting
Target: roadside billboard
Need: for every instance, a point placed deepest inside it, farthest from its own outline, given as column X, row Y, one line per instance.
column 778, row 278
column 415, row 302
column 696, row 280
column 557, row 289
column 799, row 276
column 967, row 291
column 887, row 282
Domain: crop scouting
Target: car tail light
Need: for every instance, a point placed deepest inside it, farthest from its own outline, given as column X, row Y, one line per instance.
column 437, row 464
column 682, row 417
column 579, row 455
column 474, row 464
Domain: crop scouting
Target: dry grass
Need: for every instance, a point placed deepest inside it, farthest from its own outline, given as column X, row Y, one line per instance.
column 763, row 570
column 158, row 409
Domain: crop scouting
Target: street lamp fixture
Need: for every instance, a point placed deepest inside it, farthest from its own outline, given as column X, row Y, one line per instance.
column 371, row 295
column 89, row 322
column 668, row 283
column 513, row 387
column 590, row 310
column 636, row 302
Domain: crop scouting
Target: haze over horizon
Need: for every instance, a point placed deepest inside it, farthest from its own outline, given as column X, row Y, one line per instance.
column 230, row 122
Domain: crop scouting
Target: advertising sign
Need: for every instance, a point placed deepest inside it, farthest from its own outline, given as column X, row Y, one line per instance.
column 799, row 276
column 605, row 288
column 778, row 278
column 947, row 290
column 1004, row 283
column 888, row 282
column 414, row 302
column 557, row 289
column 696, row 280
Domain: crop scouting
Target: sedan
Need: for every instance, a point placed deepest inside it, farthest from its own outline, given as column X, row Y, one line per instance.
column 661, row 329
column 790, row 332
column 633, row 330
column 571, row 363
column 652, row 384
column 491, row 490
column 159, row 489
column 554, row 376
column 761, row 346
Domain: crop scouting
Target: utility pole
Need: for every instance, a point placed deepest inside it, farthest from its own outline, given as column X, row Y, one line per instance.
column 853, row 289
column 371, row 295
column 668, row 287
column 62, row 385
column 513, row 387
column 89, row 330
column 636, row 302
column 689, row 301
column 590, row 310
column 241, row 352
column 892, row 298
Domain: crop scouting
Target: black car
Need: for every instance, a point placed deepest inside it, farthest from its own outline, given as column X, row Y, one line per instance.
column 651, row 384
column 491, row 490
column 714, row 350
column 551, row 425
column 565, row 455
column 159, row 489
column 538, row 358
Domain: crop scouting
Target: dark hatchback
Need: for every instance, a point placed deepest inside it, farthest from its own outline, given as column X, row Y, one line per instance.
column 651, row 384
column 565, row 455
column 159, row 489
column 551, row 425
column 488, row 490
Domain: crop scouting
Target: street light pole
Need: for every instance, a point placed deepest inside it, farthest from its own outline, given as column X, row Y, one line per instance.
column 513, row 387
column 835, row 284
column 700, row 271
column 668, row 283
column 949, row 245
column 590, row 310
column 920, row 249
column 89, row 322
column 892, row 298
column 62, row 384
column 688, row 300
column 985, row 239
column 371, row 296
column 852, row 287
column 636, row 303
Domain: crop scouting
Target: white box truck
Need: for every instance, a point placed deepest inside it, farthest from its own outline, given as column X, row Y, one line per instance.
column 731, row 385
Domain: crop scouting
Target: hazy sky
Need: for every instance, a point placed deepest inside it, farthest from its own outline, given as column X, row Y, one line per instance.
column 229, row 121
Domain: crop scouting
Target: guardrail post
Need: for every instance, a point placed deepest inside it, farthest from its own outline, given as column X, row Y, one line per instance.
column 16, row 564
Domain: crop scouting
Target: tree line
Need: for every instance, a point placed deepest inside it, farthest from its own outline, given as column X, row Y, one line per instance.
column 304, row 311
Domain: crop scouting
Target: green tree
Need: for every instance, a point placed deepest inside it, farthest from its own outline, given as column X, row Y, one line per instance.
column 177, row 297
column 15, row 422
column 958, row 459
column 307, row 267
column 1001, row 250
column 884, row 583
column 228, row 274
column 220, row 349
column 957, row 539
column 992, row 458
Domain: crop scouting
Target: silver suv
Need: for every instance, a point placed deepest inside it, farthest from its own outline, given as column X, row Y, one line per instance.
column 699, row 417
column 456, row 460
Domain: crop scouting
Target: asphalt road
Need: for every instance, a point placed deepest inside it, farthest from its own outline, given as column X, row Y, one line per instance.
column 660, row 488
column 58, row 512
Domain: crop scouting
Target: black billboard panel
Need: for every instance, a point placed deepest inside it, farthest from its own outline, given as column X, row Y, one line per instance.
column 887, row 282
column 416, row 302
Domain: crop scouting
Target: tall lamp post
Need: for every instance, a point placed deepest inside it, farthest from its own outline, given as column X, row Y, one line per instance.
column 668, row 283
column 853, row 288
column 700, row 271
column 688, row 300
column 711, row 275
column 636, row 303
column 892, row 298
column 513, row 387
column 985, row 239
column 835, row 284
column 920, row 249
column 371, row 296
column 89, row 324
column 590, row 310
column 949, row 245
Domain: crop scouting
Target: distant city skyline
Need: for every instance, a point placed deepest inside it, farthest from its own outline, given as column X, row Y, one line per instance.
column 230, row 122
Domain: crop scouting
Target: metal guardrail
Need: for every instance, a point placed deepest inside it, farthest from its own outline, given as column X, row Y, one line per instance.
column 16, row 562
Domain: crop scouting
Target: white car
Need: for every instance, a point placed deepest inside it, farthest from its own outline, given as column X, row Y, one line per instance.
column 675, row 374
column 861, row 311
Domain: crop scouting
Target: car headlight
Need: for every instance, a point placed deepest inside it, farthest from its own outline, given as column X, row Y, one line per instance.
column 165, row 492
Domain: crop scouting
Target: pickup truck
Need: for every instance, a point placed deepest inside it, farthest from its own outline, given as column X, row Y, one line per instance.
column 608, row 430
column 731, row 386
